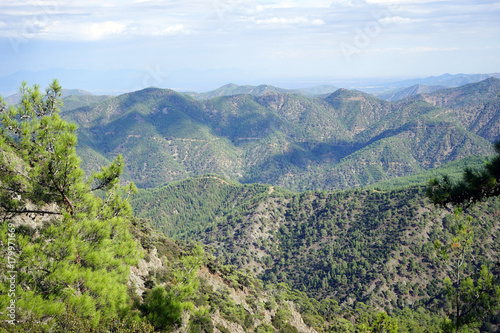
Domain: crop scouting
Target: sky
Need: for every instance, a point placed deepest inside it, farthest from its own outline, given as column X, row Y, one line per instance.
column 249, row 41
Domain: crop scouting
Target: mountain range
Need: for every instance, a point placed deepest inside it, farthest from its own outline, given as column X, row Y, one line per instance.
column 234, row 89
column 343, row 140
column 119, row 81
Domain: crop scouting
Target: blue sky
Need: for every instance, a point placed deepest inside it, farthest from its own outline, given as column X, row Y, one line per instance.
column 252, row 40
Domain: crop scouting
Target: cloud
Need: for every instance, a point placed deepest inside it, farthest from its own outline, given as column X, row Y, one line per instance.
column 287, row 4
column 301, row 20
column 102, row 30
column 346, row 3
column 173, row 30
column 395, row 19
column 82, row 30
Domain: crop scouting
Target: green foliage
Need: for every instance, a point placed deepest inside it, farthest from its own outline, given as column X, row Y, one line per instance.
column 351, row 248
column 222, row 328
column 264, row 328
column 186, row 206
column 471, row 297
column 347, row 245
column 71, row 322
column 384, row 323
column 453, row 170
column 280, row 320
column 475, row 186
column 78, row 255
column 418, row 320
column 163, row 309
column 163, row 306
column 200, row 322
column 345, row 140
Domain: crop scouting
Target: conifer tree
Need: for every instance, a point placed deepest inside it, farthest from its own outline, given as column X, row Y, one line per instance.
column 79, row 260
column 476, row 185
column 472, row 297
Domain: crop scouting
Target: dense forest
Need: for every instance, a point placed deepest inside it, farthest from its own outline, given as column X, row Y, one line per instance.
column 89, row 252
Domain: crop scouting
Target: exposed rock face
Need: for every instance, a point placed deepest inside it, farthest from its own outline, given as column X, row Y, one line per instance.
column 298, row 322
column 139, row 273
column 239, row 296
column 33, row 219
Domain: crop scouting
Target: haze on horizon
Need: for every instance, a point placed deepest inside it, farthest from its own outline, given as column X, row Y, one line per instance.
column 249, row 41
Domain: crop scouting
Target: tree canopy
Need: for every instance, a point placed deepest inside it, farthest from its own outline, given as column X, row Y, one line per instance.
column 476, row 185
column 76, row 261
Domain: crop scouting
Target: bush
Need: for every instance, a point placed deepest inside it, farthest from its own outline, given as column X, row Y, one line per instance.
column 264, row 328
column 161, row 309
column 201, row 323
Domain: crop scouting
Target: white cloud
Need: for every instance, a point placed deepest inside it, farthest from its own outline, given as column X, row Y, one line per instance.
column 102, row 30
column 317, row 22
column 287, row 4
column 83, row 30
column 395, row 19
column 290, row 21
column 315, row 3
column 173, row 30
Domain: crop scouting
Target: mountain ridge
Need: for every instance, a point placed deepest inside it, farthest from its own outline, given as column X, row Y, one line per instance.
column 345, row 139
column 355, row 245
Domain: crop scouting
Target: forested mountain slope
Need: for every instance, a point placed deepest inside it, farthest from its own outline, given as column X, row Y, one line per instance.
column 475, row 106
column 364, row 246
column 344, row 140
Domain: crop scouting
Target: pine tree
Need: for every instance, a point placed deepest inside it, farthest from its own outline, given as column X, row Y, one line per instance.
column 476, row 185
column 78, row 260
column 471, row 297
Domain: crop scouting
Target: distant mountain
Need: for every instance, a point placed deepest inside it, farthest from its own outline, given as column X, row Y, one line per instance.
column 16, row 98
column 71, row 102
column 474, row 105
column 410, row 91
column 380, row 86
column 347, row 139
column 234, row 89
column 448, row 80
column 319, row 90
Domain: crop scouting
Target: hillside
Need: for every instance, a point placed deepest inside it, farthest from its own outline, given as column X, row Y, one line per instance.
column 354, row 246
column 345, row 140
column 475, row 106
